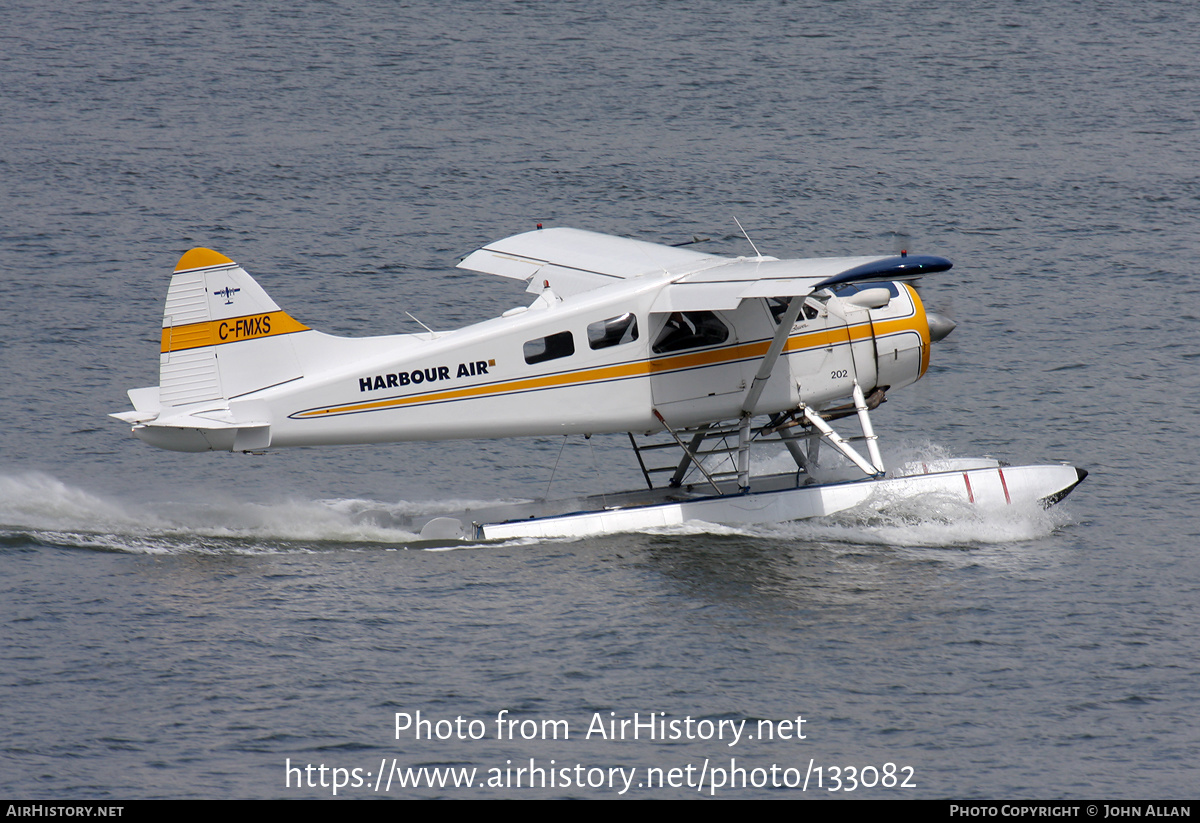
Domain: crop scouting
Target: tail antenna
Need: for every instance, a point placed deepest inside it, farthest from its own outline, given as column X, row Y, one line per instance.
column 422, row 325
column 748, row 240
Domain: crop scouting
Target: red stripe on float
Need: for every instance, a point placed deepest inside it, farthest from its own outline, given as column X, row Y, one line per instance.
column 970, row 494
column 1004, row 483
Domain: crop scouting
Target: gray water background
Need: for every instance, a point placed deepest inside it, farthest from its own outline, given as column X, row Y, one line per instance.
column 182, row 625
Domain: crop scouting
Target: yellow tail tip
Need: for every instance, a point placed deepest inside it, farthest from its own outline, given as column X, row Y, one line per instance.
column 201, row 259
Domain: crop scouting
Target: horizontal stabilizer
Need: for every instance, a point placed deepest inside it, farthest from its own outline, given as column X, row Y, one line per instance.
column 183, row 438
column 134, row 417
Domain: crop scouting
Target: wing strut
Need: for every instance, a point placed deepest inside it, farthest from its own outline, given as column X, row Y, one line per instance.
column 772, row 356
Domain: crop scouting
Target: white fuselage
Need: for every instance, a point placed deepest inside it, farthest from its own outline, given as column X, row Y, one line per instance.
column 476, row 382
column 238, row 373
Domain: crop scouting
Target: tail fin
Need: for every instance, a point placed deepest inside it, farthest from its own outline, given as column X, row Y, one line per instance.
column 222, row 335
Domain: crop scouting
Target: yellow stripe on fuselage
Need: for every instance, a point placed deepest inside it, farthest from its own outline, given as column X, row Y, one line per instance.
column 548, row 381
column 231, row 330
column 641, row 368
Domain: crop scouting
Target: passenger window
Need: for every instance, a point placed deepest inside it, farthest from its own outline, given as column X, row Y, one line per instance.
column 690, row 330
column 549, row 348
column 613, row 332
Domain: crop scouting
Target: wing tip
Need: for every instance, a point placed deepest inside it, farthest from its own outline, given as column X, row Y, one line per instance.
column 898, row 268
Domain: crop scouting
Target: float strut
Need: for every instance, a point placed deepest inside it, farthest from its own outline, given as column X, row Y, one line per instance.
column 840, row 444
column 743, row 455
column 688, row 452
column 864, row 420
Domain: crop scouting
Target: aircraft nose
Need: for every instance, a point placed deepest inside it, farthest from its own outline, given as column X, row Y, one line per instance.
column 939, row 325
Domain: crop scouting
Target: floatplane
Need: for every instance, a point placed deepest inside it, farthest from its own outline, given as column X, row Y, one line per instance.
column 697, row 357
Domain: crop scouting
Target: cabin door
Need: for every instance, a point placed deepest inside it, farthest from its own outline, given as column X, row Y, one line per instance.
column 695, row 376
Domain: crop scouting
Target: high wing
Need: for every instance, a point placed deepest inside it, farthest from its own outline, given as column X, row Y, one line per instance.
column 574, row 261
column 725, row 286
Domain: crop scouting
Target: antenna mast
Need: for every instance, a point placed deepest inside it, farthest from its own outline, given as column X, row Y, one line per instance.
column 748, row 240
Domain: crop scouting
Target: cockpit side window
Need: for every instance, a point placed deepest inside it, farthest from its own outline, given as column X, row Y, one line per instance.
column 778, row 305
column 613, row 332
column 690, row 330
